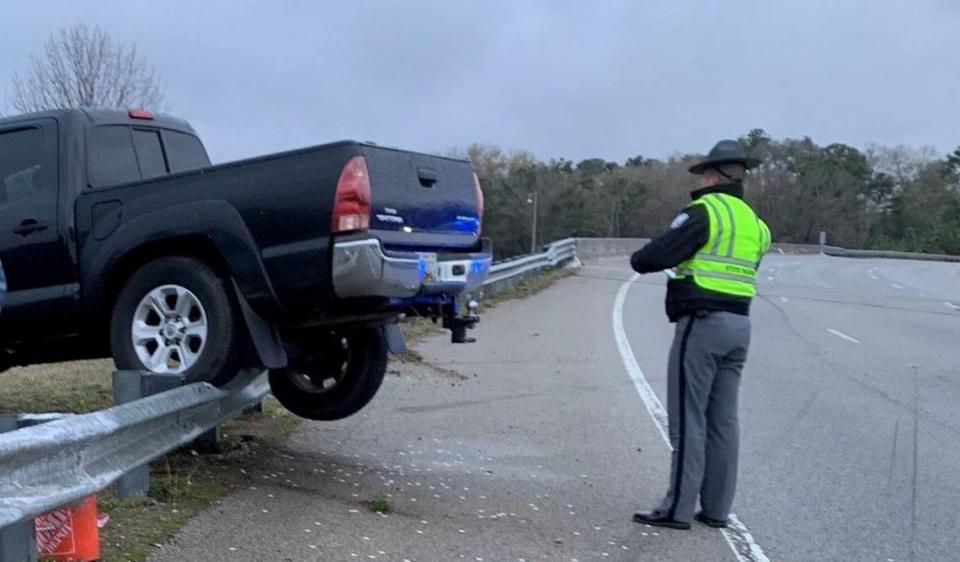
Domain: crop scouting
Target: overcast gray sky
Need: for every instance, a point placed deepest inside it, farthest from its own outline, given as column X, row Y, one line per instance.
column 576, row 79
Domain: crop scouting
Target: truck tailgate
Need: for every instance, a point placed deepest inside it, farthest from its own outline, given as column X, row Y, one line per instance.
column 422, row 201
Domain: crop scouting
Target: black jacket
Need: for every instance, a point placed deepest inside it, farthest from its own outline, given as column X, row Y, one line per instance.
column 687, row 235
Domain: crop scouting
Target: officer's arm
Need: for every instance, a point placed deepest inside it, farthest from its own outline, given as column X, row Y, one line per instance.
column 688, row 233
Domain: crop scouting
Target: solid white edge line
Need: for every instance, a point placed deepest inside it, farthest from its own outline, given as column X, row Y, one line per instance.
column 950, row 305
column 738, row 537
column 649, row 397
column 841, row 335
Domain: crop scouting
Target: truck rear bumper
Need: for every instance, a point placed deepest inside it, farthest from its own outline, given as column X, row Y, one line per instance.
column 363, row 268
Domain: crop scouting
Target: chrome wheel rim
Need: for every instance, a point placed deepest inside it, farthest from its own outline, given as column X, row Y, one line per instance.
column 169, row 329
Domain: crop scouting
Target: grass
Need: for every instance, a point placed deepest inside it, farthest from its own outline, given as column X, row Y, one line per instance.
column 530, row 287
column 182, row 484
column 80, row 386
column 416, row 329
column 379, row 504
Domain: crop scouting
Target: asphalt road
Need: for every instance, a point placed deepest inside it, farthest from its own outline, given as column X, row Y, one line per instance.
column 533, row 444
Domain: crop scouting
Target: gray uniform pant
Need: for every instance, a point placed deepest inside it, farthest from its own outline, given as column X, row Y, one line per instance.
column 708, row 353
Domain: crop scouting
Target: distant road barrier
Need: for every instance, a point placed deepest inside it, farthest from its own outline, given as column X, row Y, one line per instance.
column 883, row 254
column 592, row 248
column 508, row 273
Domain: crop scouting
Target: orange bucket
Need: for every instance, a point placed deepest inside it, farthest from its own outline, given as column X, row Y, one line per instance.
column 70, row 533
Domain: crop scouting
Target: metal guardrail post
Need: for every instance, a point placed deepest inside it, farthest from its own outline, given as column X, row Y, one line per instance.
column 134, row 385
column 18, row 543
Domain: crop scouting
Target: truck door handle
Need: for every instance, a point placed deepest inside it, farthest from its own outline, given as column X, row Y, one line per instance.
column 427, row 176
column 29, row 226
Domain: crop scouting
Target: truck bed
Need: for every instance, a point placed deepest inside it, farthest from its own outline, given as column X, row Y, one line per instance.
column 284, row 203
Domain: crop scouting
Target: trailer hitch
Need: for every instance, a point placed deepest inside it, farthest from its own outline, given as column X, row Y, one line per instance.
column 458, row 325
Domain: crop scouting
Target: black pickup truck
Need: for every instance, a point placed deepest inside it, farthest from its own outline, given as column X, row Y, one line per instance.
column 119, row 238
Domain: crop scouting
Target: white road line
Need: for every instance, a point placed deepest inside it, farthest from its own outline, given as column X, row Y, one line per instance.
column 895, row 286
column 841, row 335
column 738, row 537
column 784, row 299
column 872, row 276
column 951, row 305
column 649, row 397
column 769, row 278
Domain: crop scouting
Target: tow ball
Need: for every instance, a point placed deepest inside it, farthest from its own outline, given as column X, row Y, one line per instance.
column 458, row 325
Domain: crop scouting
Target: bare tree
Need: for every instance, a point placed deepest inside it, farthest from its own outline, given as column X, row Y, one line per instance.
column 83, row 67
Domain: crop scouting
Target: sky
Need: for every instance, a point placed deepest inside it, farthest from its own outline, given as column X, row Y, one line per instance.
column 609, row 79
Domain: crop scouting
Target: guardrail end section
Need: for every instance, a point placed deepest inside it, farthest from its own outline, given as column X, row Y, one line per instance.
column 18, row 542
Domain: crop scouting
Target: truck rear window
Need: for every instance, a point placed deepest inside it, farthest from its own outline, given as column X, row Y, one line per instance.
column 149, row 153
column 112, row 157
column 119, row 154
column 184, row 152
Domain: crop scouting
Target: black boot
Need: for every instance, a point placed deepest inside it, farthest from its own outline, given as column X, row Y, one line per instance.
column 659, row 519
column 715, row 523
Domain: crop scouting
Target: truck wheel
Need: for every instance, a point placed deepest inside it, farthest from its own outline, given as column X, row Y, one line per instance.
column 176, row 315
column 333, row 376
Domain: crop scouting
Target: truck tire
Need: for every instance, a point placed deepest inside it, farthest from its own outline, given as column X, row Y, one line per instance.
column 176, row 315
column 333, row 376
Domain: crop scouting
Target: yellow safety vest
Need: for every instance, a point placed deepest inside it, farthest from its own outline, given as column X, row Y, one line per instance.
column 728, row 262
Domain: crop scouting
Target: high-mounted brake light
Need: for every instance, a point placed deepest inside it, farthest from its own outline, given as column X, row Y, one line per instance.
column 351, row 208
column 476, row 182
column 140, row 114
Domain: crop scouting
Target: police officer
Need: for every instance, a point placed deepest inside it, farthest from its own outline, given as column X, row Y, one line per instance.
column 714, row 248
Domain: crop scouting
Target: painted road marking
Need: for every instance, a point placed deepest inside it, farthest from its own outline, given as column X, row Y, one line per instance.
column 784, row 299
column 872, row 276
column 841, row 335
column 650, row 400
column 737, row 535
column 895, row 286
column 951, row 305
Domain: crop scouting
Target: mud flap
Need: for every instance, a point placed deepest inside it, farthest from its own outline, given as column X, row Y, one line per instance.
column 266, row 338
column 394, row 337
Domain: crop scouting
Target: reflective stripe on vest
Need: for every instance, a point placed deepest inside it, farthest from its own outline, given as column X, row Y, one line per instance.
column 727, row 263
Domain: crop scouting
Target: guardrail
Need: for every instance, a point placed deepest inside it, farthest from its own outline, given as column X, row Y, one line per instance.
column 46, row 466
column 885, row 254
column 508, row 273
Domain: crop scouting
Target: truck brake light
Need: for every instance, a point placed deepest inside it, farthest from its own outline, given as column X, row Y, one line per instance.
column 140, row 114
column 351, row 208
column 476, row 182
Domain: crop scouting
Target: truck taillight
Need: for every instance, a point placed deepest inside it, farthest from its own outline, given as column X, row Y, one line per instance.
column 351, row 208
column 476, row 182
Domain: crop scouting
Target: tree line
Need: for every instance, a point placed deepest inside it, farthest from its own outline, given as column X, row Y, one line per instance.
column 891, row 198
column 896, row 198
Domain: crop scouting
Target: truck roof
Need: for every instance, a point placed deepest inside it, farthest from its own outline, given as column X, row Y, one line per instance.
column 102, row 116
